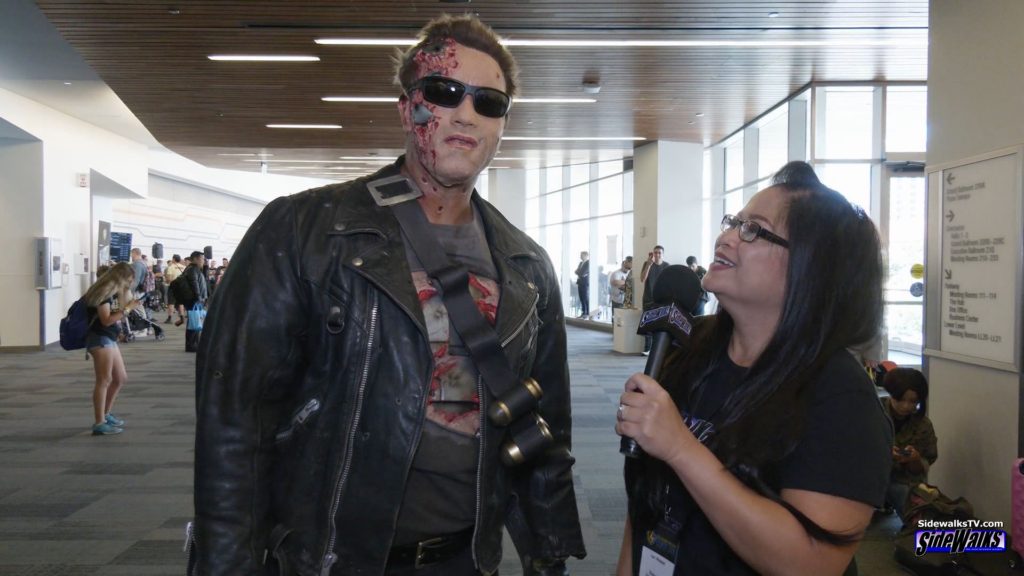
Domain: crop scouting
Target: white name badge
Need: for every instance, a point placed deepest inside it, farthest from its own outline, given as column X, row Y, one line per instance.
column 654, row 564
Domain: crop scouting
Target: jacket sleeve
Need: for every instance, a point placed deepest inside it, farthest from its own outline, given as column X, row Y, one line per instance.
column 544, row 513
column 247, row 353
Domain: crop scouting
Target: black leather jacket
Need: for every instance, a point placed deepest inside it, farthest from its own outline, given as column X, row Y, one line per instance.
column 311, row 381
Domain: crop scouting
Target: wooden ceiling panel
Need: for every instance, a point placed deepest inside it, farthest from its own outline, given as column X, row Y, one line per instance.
column 153, row 54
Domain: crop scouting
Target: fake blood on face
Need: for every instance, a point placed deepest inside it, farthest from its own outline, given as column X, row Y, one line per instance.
column 439, row 60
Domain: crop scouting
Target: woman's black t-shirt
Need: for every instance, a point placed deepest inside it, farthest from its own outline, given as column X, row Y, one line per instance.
column 97, row 327
column 844, row 451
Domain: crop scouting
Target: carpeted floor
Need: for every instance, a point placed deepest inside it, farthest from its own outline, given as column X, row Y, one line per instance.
column 76, row 505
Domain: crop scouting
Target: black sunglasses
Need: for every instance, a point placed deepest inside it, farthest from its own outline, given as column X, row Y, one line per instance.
column 449, row 93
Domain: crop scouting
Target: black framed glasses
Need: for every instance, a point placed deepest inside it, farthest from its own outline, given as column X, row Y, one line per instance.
column 750, row 230
column 449, row 93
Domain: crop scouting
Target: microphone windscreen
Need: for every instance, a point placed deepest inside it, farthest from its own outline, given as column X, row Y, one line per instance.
column 678, row 284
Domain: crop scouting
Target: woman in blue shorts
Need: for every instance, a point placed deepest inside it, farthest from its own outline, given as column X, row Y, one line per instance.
column 108, row 301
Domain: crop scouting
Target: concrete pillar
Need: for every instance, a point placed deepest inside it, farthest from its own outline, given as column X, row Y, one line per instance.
column 507, row 192
column 667, row 203
column 975, row 82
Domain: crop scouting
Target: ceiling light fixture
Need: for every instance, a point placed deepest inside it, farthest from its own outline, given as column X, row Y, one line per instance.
column 360, row 98
column 569, row 138
column 309, row 126
column 388, row 159
column 894, row 42
column 554, row 100
column 516, row 100
column 261, row 58
column 297, row 161
column 773, row 14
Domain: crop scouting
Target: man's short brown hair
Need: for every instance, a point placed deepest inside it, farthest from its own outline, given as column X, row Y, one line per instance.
column 467, row 30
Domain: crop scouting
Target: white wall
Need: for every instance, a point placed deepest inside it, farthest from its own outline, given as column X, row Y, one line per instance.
column 70, row 147
column 184, row 217
column 975, row 104
column 21, row 221
column 41, row 197
column 667, row 202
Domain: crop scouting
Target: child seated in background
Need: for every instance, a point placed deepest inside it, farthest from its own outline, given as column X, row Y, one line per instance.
column 915, row 447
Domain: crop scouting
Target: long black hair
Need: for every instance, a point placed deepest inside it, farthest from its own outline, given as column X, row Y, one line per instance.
column 833, row 300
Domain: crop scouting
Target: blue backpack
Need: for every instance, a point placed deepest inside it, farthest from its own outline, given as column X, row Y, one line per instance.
column 75, row 326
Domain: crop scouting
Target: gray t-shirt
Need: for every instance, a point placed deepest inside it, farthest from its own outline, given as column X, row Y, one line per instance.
column 440, row 494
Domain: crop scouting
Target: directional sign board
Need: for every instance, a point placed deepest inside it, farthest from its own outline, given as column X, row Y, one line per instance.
column 981, row 235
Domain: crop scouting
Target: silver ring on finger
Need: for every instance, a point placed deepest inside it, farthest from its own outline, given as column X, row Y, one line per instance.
column 621, row 414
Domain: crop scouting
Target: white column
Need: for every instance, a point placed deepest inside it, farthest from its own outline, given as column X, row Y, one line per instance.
column 975, row 83
column 507, row 192
column 667, row 209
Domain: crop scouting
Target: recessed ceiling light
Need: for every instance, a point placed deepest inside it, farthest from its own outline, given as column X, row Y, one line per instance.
column 67, row 83
column 567, row 138
column 237, row 154
column 310, row 126
column 261, row 58
column 860, row 41
column 298, row 161
column 691, row 122
column 360, row 98
column 554, row 100
column 370, row 158
column 699, row 114
column 773, row 14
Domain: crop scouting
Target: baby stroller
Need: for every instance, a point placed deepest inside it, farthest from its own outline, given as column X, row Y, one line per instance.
column 136, row 320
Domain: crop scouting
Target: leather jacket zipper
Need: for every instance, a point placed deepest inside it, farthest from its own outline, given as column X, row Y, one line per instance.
column 479, row 465
column 330, row 557
column 191, row 546
column 512, row 336
column 311, row 407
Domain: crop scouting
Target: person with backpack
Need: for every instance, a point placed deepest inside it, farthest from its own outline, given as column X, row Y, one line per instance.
column 173, row 271
column 108, row 301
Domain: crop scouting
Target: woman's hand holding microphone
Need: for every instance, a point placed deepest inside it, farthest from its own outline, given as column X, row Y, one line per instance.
column 648, row 415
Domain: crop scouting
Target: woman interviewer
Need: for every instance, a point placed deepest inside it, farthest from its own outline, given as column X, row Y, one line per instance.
column 767, row 448
column 108, row 301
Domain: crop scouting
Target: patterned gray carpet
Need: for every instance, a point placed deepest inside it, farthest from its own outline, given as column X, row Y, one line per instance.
column 76, row 505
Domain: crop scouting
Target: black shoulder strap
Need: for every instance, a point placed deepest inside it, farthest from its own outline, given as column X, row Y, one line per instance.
column 478, row 336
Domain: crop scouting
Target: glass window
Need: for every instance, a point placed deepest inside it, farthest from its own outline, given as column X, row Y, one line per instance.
column 553, row 244
column 734, row 202
column 906, row 118
column 607, row 257
column 608, row 168
column 579, row 241
column 903, row 314
column 848, row 121
column 609, row 195
column 773, row 143
column 532, row 183
column 851, row 180
column 532, row 212
column 578, row 174
column 627, row 192
column 579, row 202
column 554, row 178
column 734, row 163
column 553, row 208
column 482, row 183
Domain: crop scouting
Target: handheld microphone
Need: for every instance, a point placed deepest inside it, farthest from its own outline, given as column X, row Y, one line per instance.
column 676, row 294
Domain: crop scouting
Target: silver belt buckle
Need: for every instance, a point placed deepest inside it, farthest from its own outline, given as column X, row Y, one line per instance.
column 420, row 552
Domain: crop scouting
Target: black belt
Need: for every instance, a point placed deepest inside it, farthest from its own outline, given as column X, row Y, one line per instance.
column 430, row 551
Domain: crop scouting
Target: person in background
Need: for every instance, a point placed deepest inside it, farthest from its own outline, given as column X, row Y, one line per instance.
column 107, row 301
column 617, row 282
column 767, row 449
column 691, row 262
column 342, row 427
column 915, row 447
column 652, row 269
column 583, row 283
column 174, row 269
